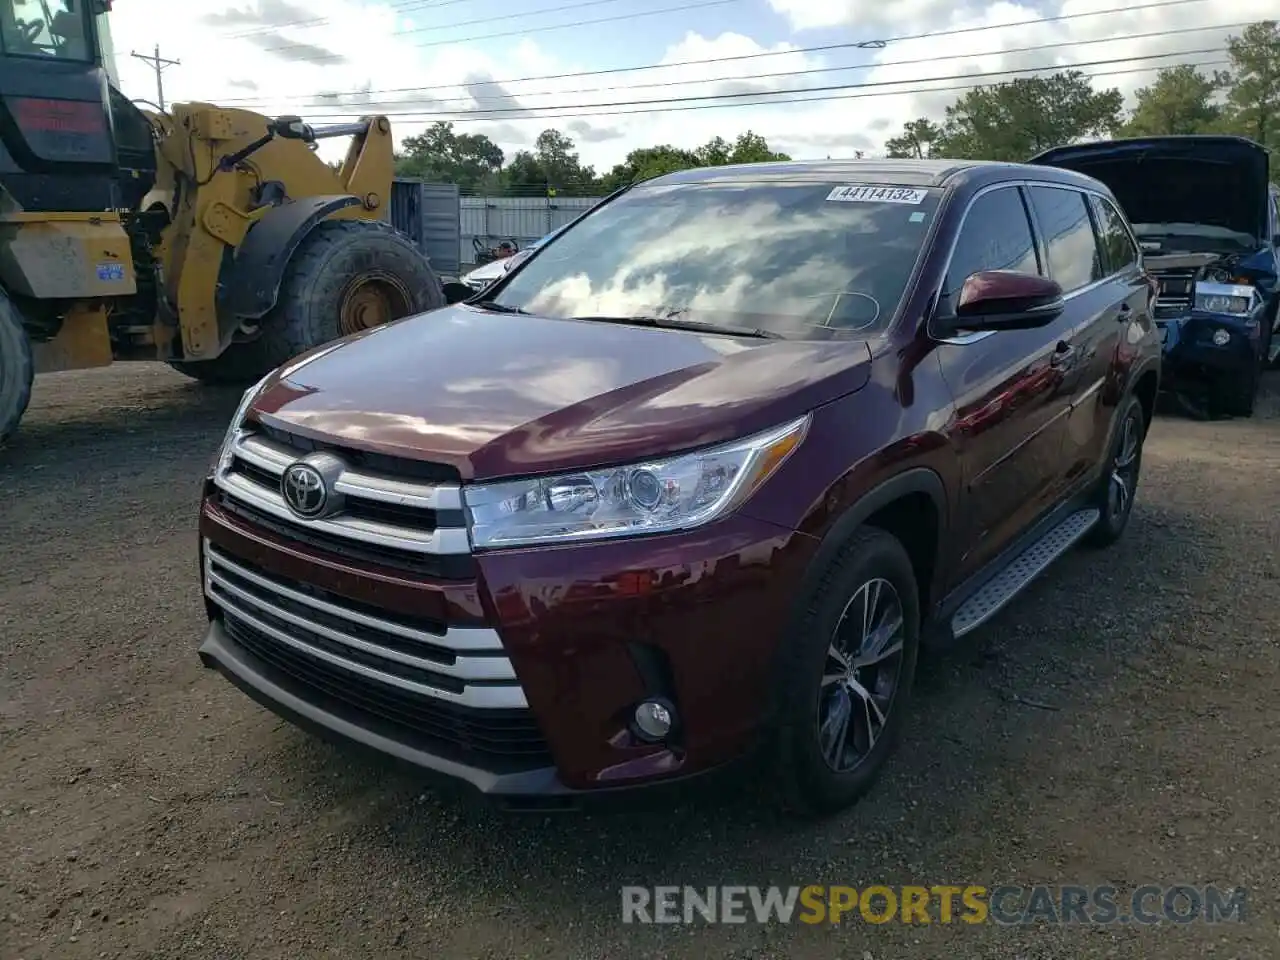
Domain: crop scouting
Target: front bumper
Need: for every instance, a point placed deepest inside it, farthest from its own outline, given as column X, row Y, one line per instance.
column 1190, row 354
column 589, row 630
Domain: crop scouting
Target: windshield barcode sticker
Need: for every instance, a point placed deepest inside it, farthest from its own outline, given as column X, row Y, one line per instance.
column 862, row 194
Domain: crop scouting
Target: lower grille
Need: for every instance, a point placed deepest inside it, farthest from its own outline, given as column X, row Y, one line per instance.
column 501, row 741
column 452, row 691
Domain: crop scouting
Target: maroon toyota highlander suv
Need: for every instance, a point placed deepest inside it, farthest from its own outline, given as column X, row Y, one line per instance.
column 699, row 478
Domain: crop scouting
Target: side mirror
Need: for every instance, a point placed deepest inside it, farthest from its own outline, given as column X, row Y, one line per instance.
column 1005, row 300
column 457, row 292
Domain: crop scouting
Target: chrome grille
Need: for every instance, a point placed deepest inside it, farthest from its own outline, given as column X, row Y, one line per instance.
column 414, row 517
column 466, row 666
column 1177, row 291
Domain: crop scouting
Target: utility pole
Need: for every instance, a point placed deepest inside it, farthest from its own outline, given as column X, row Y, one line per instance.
column 158, row 63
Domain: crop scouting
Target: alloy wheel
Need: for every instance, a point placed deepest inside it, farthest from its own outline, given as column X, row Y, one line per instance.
column 860, row 678
column 1124, row 468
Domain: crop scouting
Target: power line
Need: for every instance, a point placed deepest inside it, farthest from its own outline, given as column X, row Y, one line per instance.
column 577, row 5
column 824, row 48
column 492, row 112
column 328, row 57
column 397, row 5
column 157, row 63
column 409, row 102
column 411, row 118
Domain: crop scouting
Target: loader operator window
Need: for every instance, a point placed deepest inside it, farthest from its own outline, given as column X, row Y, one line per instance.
column 45, row 28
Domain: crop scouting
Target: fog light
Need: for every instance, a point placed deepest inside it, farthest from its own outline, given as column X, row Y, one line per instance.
column 654, row 719
column 1221, row 338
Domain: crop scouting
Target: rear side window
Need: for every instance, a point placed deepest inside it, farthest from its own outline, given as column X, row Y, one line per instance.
column 1063, row 215
column 1118, row 251
column 996, row 235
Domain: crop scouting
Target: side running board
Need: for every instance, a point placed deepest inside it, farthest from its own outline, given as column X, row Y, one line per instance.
column 991, row 598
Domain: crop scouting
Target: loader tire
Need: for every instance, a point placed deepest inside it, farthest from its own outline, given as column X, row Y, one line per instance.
column 17, row 369
column 345, row 277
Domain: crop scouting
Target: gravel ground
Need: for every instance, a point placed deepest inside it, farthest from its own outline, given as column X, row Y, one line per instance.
column 1117, row 724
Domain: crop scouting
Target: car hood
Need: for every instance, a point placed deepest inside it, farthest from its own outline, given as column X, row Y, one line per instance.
column 1218, row 181
column 489, row 271
column 498, row 395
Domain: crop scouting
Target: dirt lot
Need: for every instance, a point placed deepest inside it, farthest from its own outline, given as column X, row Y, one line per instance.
column 1118, row 724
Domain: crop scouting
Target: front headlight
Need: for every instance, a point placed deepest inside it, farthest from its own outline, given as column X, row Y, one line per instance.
column 657, row 496
column 226, row 451
column 1230, row 299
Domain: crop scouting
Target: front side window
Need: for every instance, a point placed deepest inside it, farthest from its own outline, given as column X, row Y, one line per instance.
column 1118, row 249
column 1063, row 216
column 799, row 259
column 996, row 235
column 46, row 28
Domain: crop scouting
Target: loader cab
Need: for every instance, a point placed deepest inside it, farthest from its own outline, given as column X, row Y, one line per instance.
column 69, row 141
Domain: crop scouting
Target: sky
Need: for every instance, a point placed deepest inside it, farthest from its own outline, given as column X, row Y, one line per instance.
column 423, row 60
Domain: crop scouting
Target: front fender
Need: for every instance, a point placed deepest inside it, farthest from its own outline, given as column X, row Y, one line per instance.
column 250, row 282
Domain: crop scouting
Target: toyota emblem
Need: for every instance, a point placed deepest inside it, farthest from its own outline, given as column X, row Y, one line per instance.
column 304, row 490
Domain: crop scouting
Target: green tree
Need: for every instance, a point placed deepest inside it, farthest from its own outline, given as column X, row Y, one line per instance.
column 1011, row 121
column 552, row 168
column 471, row 160
column 1253, row 98
column 749, row 148
column 916, row 140
column 1180, row 101
column 646, row 162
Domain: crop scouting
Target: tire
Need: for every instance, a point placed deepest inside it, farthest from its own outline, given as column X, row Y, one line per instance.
column 1119, row 483
column 810, row 708
column 17, row 369
column 1236, row 398
column 346, row 276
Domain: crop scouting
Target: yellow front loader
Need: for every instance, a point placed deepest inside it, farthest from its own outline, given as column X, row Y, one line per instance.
column 211, row 238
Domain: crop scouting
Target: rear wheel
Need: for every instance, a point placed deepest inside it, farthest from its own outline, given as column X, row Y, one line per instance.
column 17, row 368
column 348, row 276
column 1119, row 483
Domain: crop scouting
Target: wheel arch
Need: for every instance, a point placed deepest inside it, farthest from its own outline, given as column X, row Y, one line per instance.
column 911, row 506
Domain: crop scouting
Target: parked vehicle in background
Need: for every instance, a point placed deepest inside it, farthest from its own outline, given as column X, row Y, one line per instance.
column 1209, row 224
column 486, row 273
column 702, row 477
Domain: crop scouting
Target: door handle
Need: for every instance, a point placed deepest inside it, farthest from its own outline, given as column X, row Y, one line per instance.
column 1064, row 355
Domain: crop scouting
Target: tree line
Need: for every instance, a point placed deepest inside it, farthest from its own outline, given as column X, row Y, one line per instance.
column 553, row 167
column 1015, row 120
column 1008, row 121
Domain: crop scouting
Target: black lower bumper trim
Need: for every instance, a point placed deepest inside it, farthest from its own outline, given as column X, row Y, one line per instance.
column 528, row 791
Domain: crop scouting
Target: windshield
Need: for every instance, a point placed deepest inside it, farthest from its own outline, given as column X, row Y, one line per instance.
column 799, row 259
column 45, row 28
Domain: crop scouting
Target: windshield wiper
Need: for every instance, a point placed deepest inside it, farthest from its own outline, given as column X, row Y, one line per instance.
column 669, row 323
column 500, row 307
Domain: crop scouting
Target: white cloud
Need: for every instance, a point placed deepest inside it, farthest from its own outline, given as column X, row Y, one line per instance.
column 357, row 49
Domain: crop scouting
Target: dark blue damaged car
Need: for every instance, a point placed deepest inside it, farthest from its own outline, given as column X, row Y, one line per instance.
column 1208, row 220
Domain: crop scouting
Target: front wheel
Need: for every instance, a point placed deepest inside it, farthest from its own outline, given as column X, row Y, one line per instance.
column 17, row 368
column 847, row 677
column 347, row 276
